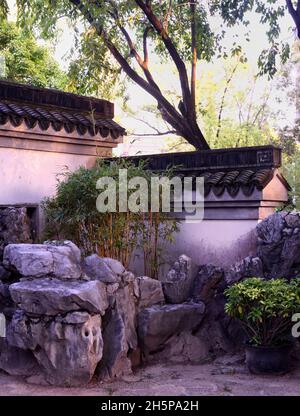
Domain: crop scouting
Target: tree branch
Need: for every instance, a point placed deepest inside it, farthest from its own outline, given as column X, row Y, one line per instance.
column 167, row 16
column 158, row 26
column 228, row 81
column 295, row 13
column 145, row 46
column 163, row 133
column 194, row 53
column 182, row 125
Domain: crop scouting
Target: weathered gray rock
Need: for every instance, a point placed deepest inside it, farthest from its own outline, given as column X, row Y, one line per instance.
column 68, row 353
column 74, row 318
column 179, row 280
column 182, row 348
column 290, row 256
column 53, row 296
column 115, row 362
column 114, row 265
column 293, row 219
column 159, row 323
column 278, row 245
column 206, row 282
column 149, row 292
column 220, row 333
column 119, row 333
column 39, row 260
column 16, row 361
column 97, row 268
column 270, row 229
column 126, row 308
column 248, row 267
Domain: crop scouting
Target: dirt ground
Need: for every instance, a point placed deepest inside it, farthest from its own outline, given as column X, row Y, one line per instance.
column 224, row 377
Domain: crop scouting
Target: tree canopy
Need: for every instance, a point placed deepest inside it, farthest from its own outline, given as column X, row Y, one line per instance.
column 26, row 61
column 133, row 32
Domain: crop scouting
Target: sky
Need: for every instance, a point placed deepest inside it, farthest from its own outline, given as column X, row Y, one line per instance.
column 167, row 76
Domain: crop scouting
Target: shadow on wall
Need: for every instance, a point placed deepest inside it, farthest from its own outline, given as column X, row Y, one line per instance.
column 222, row 248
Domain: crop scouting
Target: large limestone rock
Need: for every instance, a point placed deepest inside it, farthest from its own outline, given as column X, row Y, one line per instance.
column 182, row 348
column 278, row 244
column 116, row 266
column 52, row 296
column 115, row 362
column 150, row 292
column 206, row 282
column 159, row 323
column 248, row 267
column 102, row 269
column 39, row 260
column 220, row 333
column 16, row 361
column 119, row 330
column 179, row 280
column 126, row 308
column 68, row 349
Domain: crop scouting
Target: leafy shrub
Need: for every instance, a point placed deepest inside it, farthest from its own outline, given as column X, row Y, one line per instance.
column 264, row 307
column 72, row 214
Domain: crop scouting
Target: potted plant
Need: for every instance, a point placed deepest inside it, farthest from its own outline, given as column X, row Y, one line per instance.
column 265, row 309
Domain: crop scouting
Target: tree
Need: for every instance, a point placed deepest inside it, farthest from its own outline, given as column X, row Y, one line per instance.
column 179, row 30
column 270, row 11
column 25, row 61
column 235, row 106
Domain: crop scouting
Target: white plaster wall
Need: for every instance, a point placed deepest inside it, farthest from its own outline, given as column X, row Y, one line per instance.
column 27, row 176
column 220, row 242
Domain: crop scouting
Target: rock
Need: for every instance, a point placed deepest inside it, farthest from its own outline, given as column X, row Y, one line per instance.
column 114, row 265
column 159, row 323
column 293, row 219
column 68, row 353
column 220, row 333
column 179, row 280
column 182, row 348
column 206, row 282
column 39, row 260
column 119, row 333
column 128, row 277
column 112, row 288
column 4, row 274
column 75, row 318
column 278, row 245
column 150, row 292
column 5, row 298
column 52, row 296
column 15, row 227
column 16, row 361
column 115, row 362
column 287, row 231
column 37, row 380
column 290, row 256
column 126, row 308
column 97, row 269
column 269, row 230
column 248, row 267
